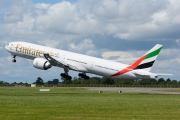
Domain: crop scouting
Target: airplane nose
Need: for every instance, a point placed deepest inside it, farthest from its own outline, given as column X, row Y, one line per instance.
column 7, row 47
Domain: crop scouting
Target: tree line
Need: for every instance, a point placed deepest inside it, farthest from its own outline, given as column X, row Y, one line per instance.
column 108, row 81
column 100, row 81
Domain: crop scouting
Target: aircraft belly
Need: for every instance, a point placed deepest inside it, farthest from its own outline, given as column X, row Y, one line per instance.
column 101, row 71
column 24, row 56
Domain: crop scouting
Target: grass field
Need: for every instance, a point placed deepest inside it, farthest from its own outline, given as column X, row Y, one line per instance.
column 81, row 104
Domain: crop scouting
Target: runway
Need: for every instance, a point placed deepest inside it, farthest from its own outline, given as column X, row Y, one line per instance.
column 137, row 90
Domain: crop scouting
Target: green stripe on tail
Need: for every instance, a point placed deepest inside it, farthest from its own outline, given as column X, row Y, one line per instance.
column 154, row 53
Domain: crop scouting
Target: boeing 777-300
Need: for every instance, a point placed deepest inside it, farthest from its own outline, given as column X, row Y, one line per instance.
column 45, row 57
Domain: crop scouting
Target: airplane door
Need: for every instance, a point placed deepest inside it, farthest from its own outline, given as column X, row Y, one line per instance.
column 64, row 59
column 92, row 65
column 11, row 47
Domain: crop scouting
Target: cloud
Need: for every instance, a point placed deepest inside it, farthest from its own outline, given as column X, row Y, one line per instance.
column 64, row 17
column 16, row 9
column 91, row 27
column 93, row 18
column 120, row 54
column 86, row 47
column 178, row 42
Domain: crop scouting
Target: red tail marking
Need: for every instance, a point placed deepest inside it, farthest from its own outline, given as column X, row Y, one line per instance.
column 129, row 68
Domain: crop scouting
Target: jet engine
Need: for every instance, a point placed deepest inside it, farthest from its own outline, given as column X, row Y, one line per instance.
column 41, row 63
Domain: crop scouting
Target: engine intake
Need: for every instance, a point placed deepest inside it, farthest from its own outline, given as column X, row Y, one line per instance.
column 41, row 63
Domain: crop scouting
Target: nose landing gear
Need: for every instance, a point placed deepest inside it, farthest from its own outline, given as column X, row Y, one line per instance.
column 14, row 59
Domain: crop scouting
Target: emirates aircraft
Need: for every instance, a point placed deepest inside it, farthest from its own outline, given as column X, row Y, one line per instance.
column 45, row 57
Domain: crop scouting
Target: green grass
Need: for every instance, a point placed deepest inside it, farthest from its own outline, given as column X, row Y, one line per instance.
column 81, row 104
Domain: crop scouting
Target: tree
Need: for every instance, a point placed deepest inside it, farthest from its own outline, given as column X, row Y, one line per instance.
column 95, row 80
column 146, row 82
column 21, row 83
column 14, row 83
column 174, row 82
column 39, row 81
column 1, row 82
column 168, row 80
column 55, row 81
column 49, row 82
column 106, row 80
column 66, row 81
column 161, row 80
column 4, row 83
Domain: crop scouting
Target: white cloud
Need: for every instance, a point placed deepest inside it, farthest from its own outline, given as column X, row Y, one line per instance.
column 16, row 10
column 85, row 18
column 63, row 18
column 178, row 41
column 82, row 26
column 120, row 54
column 86, row 47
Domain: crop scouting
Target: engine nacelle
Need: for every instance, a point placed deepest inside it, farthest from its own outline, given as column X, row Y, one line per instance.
column 41, row 63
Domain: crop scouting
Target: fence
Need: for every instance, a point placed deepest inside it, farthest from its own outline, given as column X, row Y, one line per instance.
column 95, row 85
column 103, row 85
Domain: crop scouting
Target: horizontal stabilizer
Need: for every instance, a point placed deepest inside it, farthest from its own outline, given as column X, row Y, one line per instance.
column 161, row 74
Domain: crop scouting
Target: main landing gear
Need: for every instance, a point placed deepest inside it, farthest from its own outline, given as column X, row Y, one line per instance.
column 65, row 74
column 14, row 59
column 83, row 75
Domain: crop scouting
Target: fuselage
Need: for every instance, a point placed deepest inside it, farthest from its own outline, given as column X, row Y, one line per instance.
column 88, row 64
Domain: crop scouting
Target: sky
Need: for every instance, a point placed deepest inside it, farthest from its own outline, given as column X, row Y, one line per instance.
column 127, row 28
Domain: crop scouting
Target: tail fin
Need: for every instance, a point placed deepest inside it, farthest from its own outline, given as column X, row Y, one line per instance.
column 147, row 60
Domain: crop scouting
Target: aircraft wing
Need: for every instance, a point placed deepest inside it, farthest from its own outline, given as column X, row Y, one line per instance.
column 52, row 60
column 66, row 65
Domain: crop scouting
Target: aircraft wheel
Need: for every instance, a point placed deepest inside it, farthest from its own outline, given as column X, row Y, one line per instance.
column 13, row 60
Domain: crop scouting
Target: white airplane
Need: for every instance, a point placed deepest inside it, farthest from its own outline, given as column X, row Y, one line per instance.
column 45, row 57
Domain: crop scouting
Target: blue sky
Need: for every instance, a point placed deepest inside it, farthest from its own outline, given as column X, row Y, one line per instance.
column 92, row 27
column 51, row 1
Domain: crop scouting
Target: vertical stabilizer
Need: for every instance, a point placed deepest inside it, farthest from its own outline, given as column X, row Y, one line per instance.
column 147, row 60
